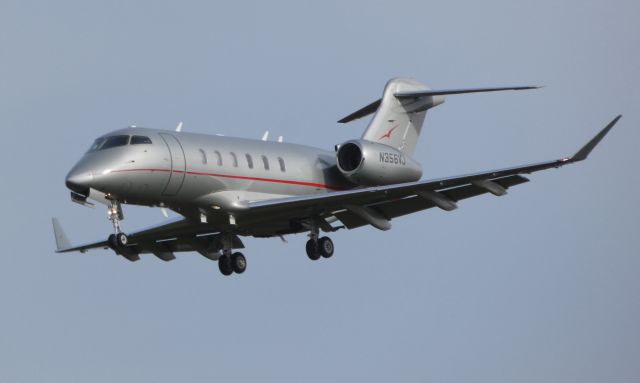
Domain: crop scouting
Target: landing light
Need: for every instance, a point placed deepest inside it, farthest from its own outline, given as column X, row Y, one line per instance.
column 106, row 172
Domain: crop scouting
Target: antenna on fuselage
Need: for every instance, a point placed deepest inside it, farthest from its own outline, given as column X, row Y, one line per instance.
column 265, row 136
column 179, row 127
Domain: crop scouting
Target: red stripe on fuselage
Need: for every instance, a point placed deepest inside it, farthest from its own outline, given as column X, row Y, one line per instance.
column 272, row 180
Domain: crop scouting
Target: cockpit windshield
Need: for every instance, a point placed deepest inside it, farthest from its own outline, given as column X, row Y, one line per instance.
column 113, row 141
column 136, row 140
column 119, row 140
column 97, row 144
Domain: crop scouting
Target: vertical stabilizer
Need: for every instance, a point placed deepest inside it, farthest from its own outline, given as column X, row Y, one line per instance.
column 398, row 121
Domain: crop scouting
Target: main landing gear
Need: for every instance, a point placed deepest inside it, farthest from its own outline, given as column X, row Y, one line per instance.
column 118, row 239
column 229, row 263
column 232, row 263
column 318, row 247
column 322, row 247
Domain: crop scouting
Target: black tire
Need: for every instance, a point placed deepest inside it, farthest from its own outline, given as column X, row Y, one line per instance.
column 325, row 247
column 238, row 263
column 121, row 239
column 224, row 264
column 312, row 250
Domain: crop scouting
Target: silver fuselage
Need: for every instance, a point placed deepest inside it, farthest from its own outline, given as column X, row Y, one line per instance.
column 203, row 174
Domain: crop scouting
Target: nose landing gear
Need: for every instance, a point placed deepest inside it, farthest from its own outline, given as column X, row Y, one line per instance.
column 114, row 212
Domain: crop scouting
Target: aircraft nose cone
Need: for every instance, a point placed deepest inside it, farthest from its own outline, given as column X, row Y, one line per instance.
column 79, row 182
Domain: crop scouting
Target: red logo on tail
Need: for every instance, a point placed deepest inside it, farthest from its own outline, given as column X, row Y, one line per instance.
column 388, row 133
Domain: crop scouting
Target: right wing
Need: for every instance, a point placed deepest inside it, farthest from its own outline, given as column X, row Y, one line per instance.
column 377, row 205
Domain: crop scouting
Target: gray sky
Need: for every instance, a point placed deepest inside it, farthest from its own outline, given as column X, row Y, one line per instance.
column 541, row 285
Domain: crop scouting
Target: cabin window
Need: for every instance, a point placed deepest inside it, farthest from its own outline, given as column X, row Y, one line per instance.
column 265, row 162
column 218, row 157
column 249, row 161
column 281, row 162
column 234, row 159
column 137, row 140
column 203, row 156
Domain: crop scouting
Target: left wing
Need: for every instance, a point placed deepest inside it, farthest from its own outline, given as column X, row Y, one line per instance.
column 377, row 205
column 179, row 234
column 169, row 228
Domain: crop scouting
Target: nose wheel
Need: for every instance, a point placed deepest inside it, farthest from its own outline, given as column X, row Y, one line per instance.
column 118, row 239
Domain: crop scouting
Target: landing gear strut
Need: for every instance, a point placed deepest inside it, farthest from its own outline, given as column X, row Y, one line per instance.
column 114, row 212
column 229, row 263
column 318, row 247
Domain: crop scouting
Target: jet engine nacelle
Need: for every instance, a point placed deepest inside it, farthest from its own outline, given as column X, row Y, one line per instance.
column 368, row 163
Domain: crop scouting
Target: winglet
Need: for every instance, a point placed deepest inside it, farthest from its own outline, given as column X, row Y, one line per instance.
column 583, row 153
column 62, row 242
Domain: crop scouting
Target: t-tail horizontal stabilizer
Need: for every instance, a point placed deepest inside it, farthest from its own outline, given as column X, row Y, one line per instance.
column 445, row 92
column 373, row 107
